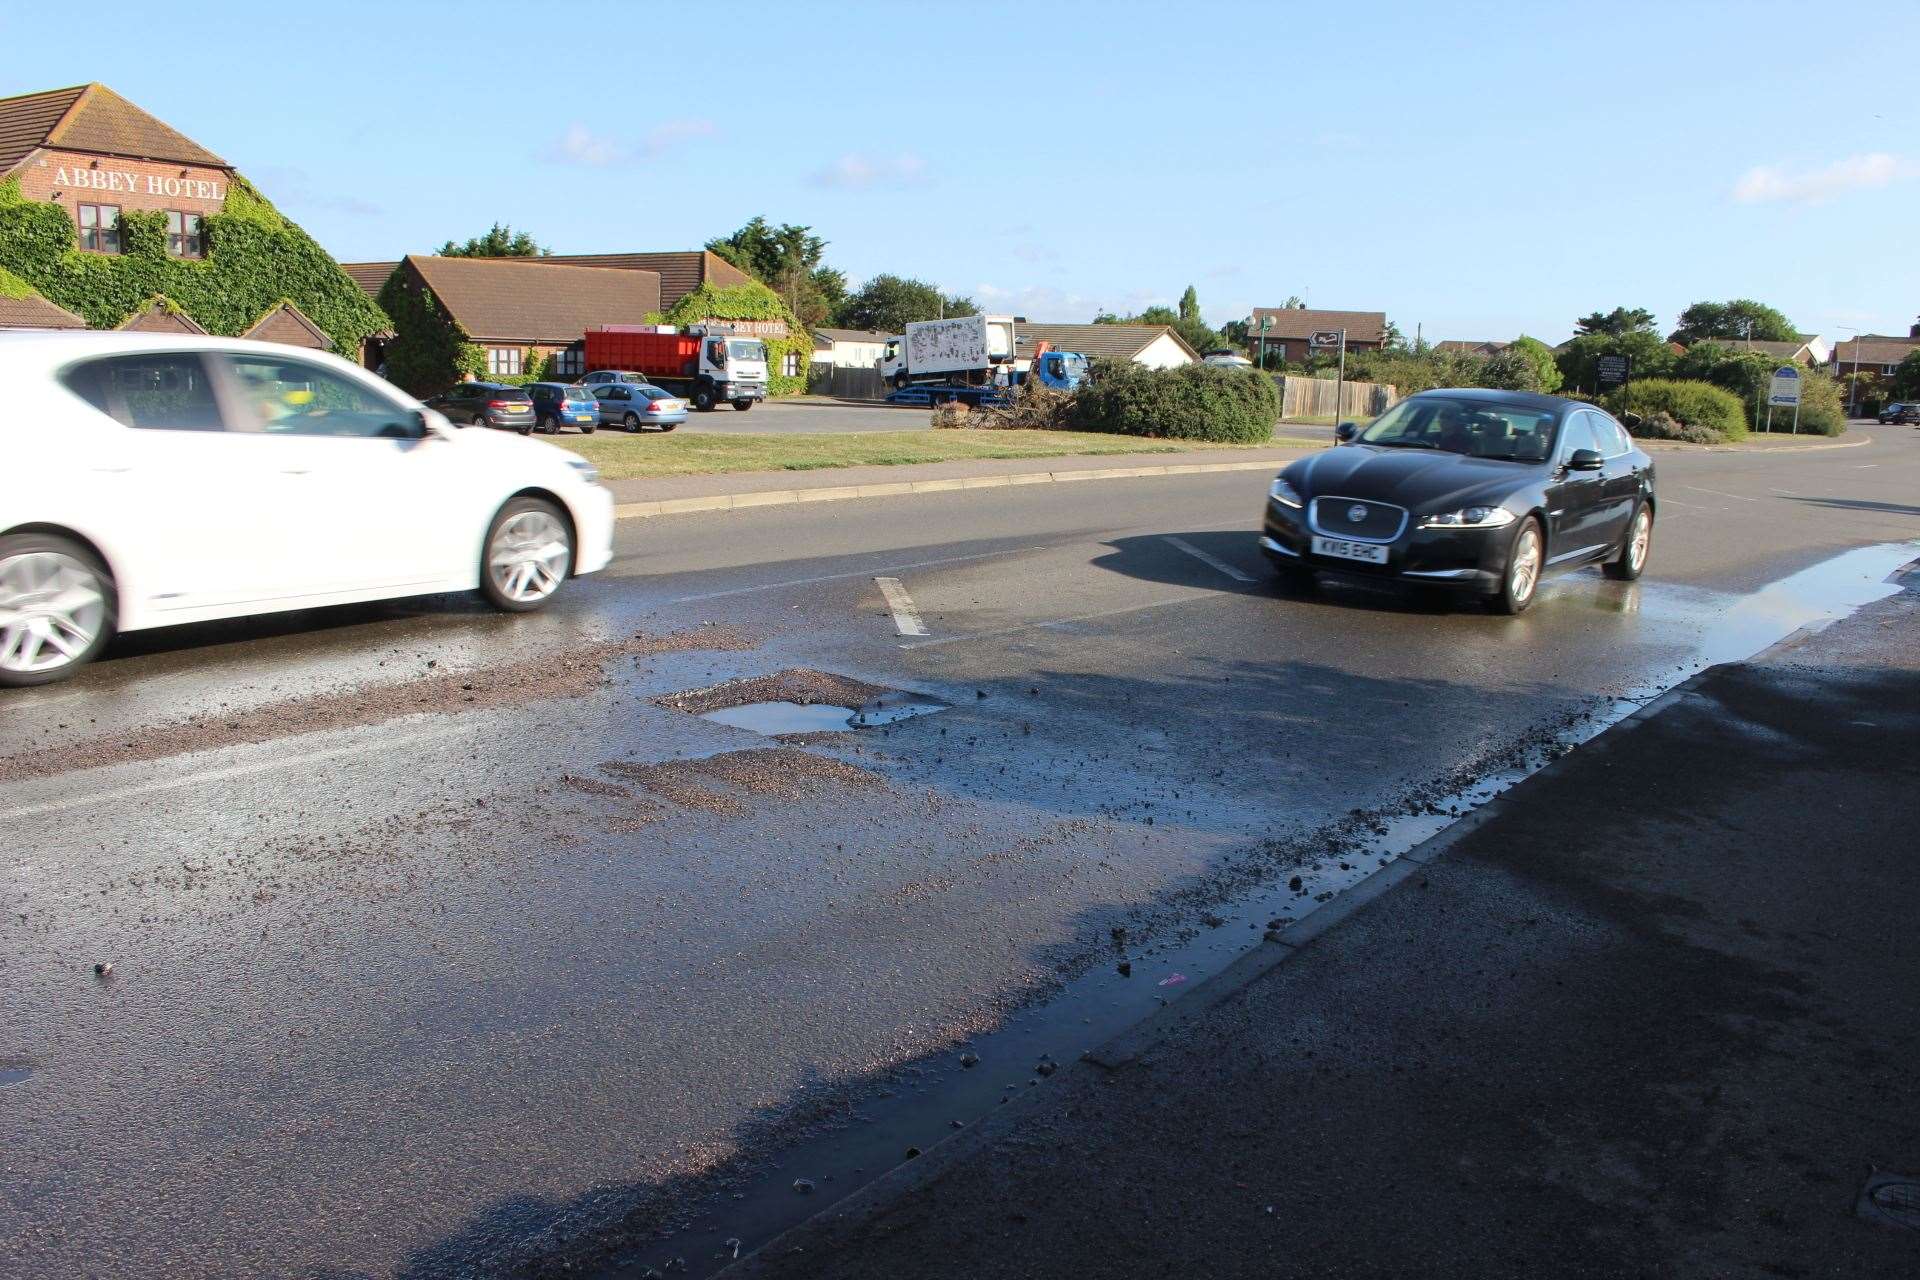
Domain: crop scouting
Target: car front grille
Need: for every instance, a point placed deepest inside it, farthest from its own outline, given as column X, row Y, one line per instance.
column 1356, row 518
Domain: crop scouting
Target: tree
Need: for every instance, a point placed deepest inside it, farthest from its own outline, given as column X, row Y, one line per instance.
column 786, row 259
column 1579, row 359
column 1739, row 319
column 1616, row 323
column 1905, row 383
column 1190, row 305
column 500, row 241
column 1526, row 364
column 1193, row 330
column 1391, row 337
column 889, row 303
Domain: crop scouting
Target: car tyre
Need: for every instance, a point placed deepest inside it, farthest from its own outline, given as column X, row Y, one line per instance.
column 525, row 431
column 703, row 400
column 1526, row 558
column 586, row 428
column 54, row 594
column 1634, row 548
column 527, row 554
column 741, row 406
column 632, row 423
column 548, row 426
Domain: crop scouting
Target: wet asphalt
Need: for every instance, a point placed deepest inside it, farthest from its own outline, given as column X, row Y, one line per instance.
column 439, row 947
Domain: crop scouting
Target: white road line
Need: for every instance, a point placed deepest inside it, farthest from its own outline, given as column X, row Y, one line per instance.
column 1675, row 502
column 863, row 573
column 1083, row 617
column 1718, row 494
column 1212, row 561
column 906, row 619
column 1866, row 466
column 222, row 775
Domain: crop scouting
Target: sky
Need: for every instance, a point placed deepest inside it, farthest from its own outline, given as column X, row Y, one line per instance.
column 1473, row 170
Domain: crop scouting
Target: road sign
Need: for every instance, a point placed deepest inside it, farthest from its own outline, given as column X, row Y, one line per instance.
column 1612, row 371
column 1785, row 389
column 1326, row 338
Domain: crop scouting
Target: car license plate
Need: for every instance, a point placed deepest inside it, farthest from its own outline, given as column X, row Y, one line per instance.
column 1371, row 552
column 667, row 406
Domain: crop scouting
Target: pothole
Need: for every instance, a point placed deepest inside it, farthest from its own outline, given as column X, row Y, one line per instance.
column 799, row 701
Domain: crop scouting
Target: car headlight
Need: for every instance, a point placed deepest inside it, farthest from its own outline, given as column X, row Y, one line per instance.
column 1469, row 518
column 587, row 471
column 1285, row 494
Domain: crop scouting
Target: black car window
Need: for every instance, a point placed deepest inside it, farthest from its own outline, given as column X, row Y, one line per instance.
column 294, row 398
column 159, row 391
column 1577, row 435
column 1613, row 441
column 1462, row 426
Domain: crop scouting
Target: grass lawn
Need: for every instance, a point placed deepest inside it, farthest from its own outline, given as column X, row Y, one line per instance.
column 623, row 457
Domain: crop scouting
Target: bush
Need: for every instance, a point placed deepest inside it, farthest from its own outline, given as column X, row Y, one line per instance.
column 1823, row 407
column 1693, row 404
column 1190, row 402
column 1661, row 425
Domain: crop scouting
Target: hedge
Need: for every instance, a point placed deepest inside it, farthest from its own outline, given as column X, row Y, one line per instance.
column 1696, row 404
column 255, row 259
column 1189, row 402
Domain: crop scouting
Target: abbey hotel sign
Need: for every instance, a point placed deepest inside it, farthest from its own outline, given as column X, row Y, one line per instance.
column 111, row 180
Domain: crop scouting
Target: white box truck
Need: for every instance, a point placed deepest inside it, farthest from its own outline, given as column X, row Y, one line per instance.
column 964, row 351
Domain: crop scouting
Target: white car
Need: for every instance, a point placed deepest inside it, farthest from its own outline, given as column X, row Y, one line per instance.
column 153, row 479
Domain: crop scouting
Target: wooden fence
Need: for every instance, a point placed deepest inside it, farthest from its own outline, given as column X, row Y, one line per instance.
column 845, row 384
column 1325, row 398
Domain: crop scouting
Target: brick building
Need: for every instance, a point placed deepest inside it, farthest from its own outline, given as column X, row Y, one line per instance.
column 1292, row 328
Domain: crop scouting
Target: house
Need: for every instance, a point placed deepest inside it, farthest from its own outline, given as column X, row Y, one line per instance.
column 680, row 273
column 1873, row 353
column 144, row 203
column 1807, row 349
column 1290, row 330
column 520, row 311
column 1467, row 347
column 1156, row 346
column 848, row 348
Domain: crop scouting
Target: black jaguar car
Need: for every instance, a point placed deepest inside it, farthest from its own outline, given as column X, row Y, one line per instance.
column 1481, row 491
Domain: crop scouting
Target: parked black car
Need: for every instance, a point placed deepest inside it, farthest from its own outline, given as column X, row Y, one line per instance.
column 1482, row 491
column 1901, row 411
column 487, row 404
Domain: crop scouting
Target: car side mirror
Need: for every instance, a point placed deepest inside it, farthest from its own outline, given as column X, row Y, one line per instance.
column 1345, row 432
column 1584, row 460
column 429, row 425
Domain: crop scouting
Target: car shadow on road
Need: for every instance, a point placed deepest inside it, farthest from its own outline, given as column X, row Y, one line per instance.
column 1160, row 557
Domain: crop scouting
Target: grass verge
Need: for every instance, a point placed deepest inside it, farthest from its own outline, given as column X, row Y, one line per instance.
column 623, row 457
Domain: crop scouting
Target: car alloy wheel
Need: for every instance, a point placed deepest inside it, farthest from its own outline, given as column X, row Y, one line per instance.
column 1634, row 548
column 528, row 555
column 55, row 611
column 631, row 422
column 1526, row 556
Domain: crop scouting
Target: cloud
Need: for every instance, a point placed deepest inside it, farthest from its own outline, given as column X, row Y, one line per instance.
column 855, row 172
column 581, row 147
column 1779, row 184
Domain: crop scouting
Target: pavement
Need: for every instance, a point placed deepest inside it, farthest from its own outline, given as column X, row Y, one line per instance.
column 1654, row 1011
column 444, row 943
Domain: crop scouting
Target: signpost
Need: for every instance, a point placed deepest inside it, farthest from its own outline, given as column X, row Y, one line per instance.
column 1783, row 391
column 1321, row 340
column 1612, row 372
column 1266, row 323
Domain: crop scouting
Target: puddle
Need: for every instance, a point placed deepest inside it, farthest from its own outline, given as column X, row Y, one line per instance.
column 14, row 1070
column 772, row 718
column 920, row 1107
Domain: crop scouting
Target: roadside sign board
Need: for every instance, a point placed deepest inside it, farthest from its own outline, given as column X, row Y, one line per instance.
column 1326, row 338
column 1613, row 371
column 1785, row 388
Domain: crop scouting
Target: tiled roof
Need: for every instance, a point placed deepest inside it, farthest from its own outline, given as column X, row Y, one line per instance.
column 536, row 299
column 1114, row 341
column 680, row 273
column 1466, row 346
column 1296, row 322
column 1874, row 348
column 92, row 117
column 289, row 324
column 36, row 313
column 1779, row 350
column 160, row 315
column 370, row 276
column 852, row 335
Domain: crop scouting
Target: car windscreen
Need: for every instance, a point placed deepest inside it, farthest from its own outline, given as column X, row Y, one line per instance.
column 509, row 393
column 740, row 350
column 1472, row 429
column 655, row 393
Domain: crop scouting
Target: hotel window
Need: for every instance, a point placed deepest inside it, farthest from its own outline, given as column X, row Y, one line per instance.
column 503, row 360
column 99, row 227
column 570, row 362
column 183, row 235
column 790, row 364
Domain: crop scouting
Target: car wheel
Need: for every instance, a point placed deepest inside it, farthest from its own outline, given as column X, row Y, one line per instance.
column 1526, row 557
column 741, row 406
column 1632, row 559
column 526, row 430
column 900, row 380
column 548, row 426
column 56, row 608
column 668, row 426
column 703, row 400
column 586, row 428
column 528, row 554
column 631, row 422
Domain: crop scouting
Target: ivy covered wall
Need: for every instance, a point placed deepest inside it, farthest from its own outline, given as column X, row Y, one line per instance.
column 255, row 259
column 753, row 301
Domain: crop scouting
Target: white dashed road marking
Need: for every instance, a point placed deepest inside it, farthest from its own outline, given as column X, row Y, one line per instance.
column 1212, row 561
column 906, row 619
column 1718, row 494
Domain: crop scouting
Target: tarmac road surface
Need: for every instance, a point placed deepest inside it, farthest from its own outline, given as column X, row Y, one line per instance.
column 440, row 947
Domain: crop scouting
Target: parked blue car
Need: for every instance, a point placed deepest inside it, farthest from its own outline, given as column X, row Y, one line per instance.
column 558, row 404
column 636, row 405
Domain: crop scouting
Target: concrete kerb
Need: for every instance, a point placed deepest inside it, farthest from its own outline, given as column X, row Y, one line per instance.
column 868, row 1202
column 901, row 488
column 1681, row 446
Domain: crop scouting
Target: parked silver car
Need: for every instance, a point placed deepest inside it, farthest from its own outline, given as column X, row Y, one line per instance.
column 634, row 405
